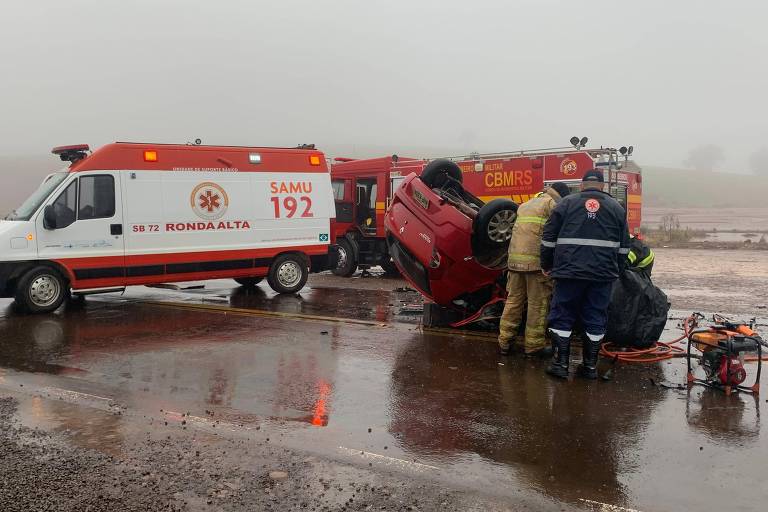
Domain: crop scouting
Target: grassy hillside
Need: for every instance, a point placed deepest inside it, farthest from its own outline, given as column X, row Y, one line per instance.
column 684, row 188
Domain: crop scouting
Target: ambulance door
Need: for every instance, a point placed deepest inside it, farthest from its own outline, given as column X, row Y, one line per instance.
column 82, row 228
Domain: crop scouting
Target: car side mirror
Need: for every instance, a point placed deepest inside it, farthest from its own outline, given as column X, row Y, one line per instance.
column 49, row 217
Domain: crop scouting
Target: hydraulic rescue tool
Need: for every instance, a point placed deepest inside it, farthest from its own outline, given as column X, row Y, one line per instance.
column 724, row 346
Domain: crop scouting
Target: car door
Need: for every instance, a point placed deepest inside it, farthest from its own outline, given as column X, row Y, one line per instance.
column 87, row 232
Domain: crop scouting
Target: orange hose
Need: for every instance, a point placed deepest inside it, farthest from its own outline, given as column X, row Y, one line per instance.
column 659, row 351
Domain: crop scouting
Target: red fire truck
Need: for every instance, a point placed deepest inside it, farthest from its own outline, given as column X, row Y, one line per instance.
column 363, row 190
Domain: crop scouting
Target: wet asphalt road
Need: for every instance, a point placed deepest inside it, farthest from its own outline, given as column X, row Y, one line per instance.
column 343, row 384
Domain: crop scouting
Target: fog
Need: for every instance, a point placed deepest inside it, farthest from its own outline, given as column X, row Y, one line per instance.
column 375, row 76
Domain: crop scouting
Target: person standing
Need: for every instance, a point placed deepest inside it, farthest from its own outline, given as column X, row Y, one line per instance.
column 526, row 285
column 640, row 257
column 584, row 247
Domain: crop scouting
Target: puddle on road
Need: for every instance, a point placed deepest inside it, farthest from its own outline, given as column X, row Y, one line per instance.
column 437, row 399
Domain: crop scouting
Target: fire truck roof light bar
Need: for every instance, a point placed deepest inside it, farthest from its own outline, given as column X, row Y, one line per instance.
column 527, row 152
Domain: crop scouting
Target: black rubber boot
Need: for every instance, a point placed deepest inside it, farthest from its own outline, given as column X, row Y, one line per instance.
column 562, row 349
column 588, row 367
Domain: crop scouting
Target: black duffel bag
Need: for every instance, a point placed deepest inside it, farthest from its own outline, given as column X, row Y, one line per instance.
column 638, row 311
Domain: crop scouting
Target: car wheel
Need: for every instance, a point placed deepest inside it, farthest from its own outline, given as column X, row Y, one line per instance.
column 248, row 282
column 347, row 263
column 437, row 172
column 492, row 228
column 288, row 273
column 41, row 290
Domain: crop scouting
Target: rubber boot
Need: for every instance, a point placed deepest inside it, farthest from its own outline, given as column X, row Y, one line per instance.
column 588, row 367
column 561, row 359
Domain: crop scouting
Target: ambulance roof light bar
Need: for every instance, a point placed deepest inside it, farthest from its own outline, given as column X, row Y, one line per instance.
column 71, row 153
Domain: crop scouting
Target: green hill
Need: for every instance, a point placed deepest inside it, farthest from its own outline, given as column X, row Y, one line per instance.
column 684, row 188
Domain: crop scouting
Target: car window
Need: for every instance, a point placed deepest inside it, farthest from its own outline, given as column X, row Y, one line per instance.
column 97, row 197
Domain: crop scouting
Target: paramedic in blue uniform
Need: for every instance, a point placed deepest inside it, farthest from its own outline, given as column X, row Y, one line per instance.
column 584, row 247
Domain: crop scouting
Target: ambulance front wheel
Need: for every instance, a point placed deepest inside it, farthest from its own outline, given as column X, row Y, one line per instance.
column 248, row 282
column 41, row 290
column 288, row 273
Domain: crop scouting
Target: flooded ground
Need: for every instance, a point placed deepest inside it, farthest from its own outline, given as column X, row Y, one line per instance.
column 711, row 219
column 194, row 398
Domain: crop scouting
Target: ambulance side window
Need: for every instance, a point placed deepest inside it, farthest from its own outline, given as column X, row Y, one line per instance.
column 65, row 205
column 97, row 197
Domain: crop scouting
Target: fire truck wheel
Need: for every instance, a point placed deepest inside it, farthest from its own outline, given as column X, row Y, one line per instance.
column 347, row 264
column 248, row 282
column 492, row 228
column 288, row 273
column 436, row 172
column 41, row 290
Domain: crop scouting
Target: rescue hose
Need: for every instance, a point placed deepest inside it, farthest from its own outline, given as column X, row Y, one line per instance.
column 660, row 350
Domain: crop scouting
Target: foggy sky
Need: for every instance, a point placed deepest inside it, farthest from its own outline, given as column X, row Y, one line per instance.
column 461, row 75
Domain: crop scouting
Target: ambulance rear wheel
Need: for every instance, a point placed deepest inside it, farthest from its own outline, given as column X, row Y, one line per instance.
column 347, row 264
column 288, row 273
column 41, row 290
column 248, row 282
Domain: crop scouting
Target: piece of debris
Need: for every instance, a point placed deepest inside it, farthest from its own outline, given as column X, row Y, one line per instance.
column 278, row 475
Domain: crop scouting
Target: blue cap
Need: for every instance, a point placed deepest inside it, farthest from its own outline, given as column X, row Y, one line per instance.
column 593, row 176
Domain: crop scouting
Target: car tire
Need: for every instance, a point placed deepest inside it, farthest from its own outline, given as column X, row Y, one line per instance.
column 288, row 273
column 492, row 228
column 41, row 290
column 347, row 262
column 248, row 282
column 437, row 172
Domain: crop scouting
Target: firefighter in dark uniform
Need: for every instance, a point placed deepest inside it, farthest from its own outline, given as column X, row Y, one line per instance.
column 641, row 257
column 584, row 247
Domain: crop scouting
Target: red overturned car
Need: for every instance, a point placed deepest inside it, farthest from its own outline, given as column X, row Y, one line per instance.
column 452, row 246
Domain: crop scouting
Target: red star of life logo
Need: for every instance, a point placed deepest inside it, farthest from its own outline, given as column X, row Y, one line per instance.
column 592, row 205
column 209, row 201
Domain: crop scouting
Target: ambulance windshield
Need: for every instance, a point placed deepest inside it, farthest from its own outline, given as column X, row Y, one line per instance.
column 33, row 202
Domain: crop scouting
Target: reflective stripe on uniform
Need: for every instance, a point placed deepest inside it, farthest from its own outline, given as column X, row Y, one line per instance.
column 632, row 257
column 548, row 244
column 523, row 257
column 646, row 261
column 531, row 220
column 624, row 250
column 590, row 242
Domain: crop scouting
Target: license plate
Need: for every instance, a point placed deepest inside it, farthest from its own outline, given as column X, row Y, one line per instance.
column 419, row 197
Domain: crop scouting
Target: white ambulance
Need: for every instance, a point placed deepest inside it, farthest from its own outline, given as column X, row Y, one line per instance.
column 137, row 214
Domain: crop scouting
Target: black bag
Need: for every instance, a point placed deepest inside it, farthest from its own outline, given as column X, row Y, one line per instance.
column 638, row 311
